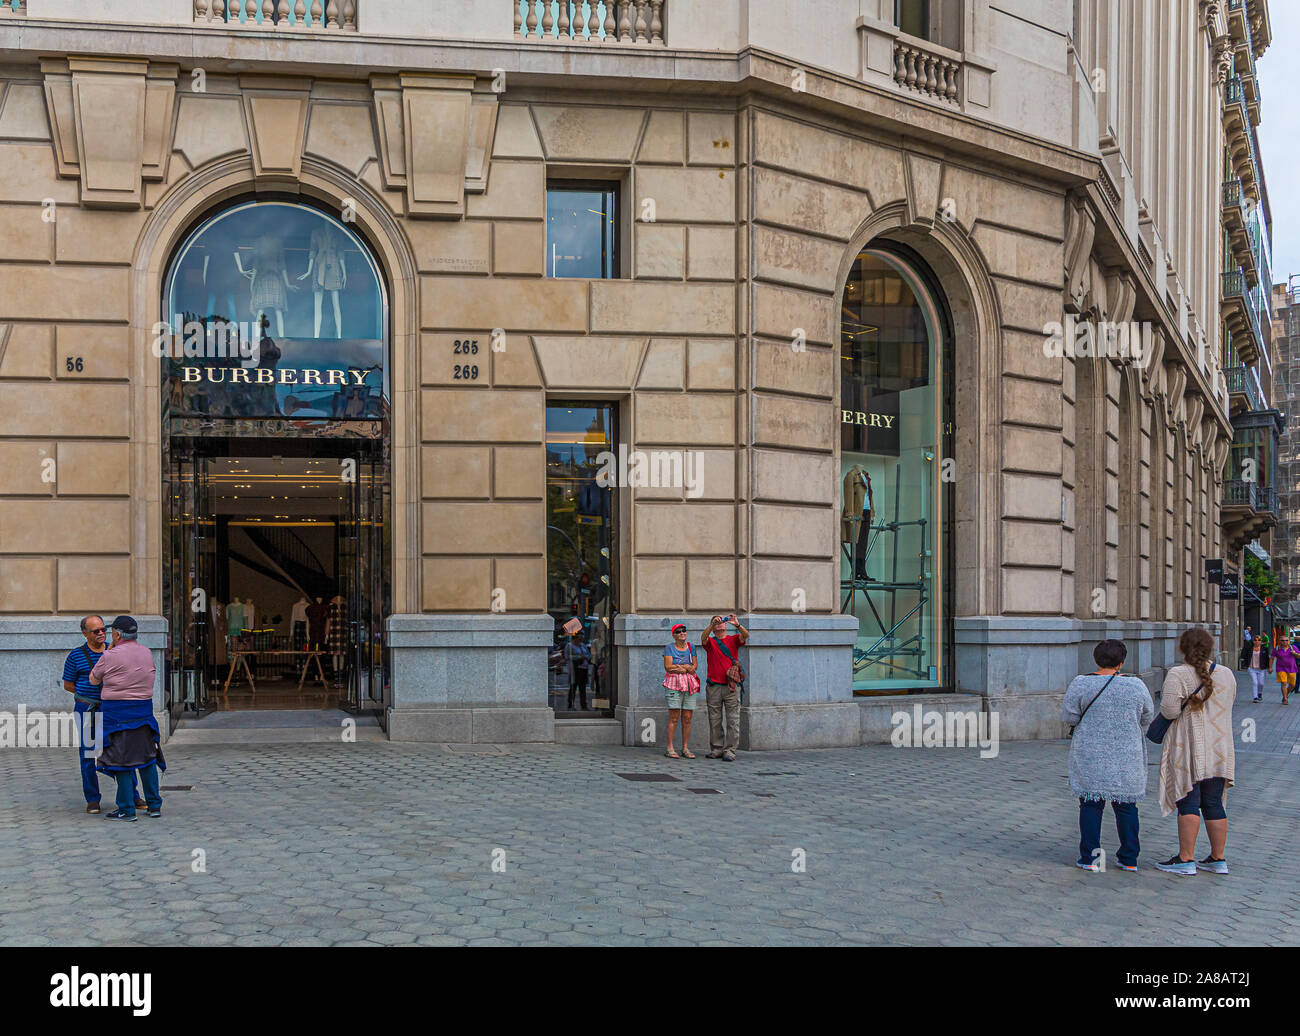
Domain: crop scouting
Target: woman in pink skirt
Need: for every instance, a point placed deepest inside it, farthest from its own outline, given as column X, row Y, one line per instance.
column 683, row 688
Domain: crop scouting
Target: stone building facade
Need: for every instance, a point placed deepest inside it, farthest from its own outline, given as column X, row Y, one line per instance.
column 1014, row 173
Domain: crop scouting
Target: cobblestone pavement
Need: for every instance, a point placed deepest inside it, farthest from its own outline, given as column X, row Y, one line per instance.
column 390, row 844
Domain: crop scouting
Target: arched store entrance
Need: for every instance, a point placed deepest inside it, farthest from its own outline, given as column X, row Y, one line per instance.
column 896, row 450
column 273, row 348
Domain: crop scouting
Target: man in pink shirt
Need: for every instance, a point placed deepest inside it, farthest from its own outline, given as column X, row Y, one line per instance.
column 125, row 672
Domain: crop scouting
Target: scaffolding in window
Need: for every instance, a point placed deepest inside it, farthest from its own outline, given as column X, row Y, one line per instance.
column 887, row 646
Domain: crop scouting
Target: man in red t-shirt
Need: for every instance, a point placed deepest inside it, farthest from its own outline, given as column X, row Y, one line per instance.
column 718, row 695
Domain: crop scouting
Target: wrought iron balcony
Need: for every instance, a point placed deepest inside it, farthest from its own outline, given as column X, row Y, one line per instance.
column 1242, row 384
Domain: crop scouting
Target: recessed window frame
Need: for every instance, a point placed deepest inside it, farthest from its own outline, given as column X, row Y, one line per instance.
column 612, row 181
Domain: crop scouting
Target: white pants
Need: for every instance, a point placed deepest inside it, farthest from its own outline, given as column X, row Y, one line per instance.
column 1257, row 681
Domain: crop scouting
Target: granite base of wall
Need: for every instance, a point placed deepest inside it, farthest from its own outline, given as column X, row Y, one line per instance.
column 470, row 679
column 488, row 725
column 1021, row 666
column 32, row 651
column 798, row 688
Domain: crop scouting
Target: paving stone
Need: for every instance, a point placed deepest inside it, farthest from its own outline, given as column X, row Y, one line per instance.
column 903, row 847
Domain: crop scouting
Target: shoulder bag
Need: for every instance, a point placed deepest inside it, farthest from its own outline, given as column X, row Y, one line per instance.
column 735, row 672
column 1160, row 725
column 1093, row 702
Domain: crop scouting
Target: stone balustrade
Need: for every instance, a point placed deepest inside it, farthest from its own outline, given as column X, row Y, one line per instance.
column 928, row 69
column 591, row 21
column 302, row 15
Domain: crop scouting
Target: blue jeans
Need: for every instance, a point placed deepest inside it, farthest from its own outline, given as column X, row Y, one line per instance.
column 126, row 789
column 1126, row 823
column 89, row 776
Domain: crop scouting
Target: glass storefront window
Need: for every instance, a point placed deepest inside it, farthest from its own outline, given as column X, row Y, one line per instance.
column 581, row 226
column 274, row 310
column 893, row 427
column 581, row 526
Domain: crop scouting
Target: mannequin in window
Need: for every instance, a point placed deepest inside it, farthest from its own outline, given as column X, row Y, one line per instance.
column 270, row 281
column 857, row 504
column 318, row 623
column 298, row 624
column 331, row 270
column 338, row 635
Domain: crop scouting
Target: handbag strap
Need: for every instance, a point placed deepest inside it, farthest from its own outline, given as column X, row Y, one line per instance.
column 1096, row 696
column 722, row 646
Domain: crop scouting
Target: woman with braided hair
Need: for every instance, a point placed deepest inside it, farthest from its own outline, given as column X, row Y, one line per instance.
column 1196, row 766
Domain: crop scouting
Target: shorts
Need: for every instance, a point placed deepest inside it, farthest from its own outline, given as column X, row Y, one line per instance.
column 681, row 700
column 1286, row 678
column 1206, row 798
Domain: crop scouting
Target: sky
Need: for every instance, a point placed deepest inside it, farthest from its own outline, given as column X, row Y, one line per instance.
column 1279, row 134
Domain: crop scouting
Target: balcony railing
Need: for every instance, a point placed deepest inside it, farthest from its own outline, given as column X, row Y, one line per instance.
column 1234, row 284
column 300, row 15
column 1242, row 383
column 591, row 21
column 1239, row 493
column 930, row 70
column 1233, row 197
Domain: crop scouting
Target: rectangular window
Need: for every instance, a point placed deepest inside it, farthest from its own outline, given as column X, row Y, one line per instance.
column 581, row 229
column 581, row 556
column 938, row 21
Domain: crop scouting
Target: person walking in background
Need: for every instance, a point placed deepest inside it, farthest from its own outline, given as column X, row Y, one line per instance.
column 683, row 688
column 76, row 681
column 722, row 651
column 125, row 673
column 1255, row 660
column 1197, row 764
column 1284, row 658
column 1108, row 760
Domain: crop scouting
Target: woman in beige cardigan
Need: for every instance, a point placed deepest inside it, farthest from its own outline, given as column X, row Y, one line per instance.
column 1196, row 766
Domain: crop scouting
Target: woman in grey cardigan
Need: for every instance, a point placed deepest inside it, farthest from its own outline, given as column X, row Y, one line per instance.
column 1108, row 758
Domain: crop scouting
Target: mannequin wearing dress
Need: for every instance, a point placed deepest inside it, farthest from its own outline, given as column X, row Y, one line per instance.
column 331, row 273
column 298, row 624
column 338, row 634
column 270, row 281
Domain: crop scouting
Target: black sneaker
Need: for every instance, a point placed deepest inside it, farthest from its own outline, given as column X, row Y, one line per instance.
column 1213, row 866
column 117, row 814
column 1177, row 865
column 155, row 811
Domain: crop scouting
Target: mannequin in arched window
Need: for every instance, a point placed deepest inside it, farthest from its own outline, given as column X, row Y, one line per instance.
column 270, row 281
column 331, row 273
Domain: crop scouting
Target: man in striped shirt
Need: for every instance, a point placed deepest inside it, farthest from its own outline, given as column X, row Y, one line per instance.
column 76, row 681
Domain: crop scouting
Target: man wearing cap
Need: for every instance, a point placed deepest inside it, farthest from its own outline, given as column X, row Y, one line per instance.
column 76, row 681
column 131, row 737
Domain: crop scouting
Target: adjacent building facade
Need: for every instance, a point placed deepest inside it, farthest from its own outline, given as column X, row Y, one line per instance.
column 898, row 329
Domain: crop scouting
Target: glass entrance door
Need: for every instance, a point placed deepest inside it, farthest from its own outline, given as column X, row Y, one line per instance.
column 363, row 584
column 581, row 529
column 189, row 570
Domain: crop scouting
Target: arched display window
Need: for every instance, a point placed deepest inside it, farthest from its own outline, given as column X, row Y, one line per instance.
column 274, row 310
column 273, row 344
column 896, row 471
